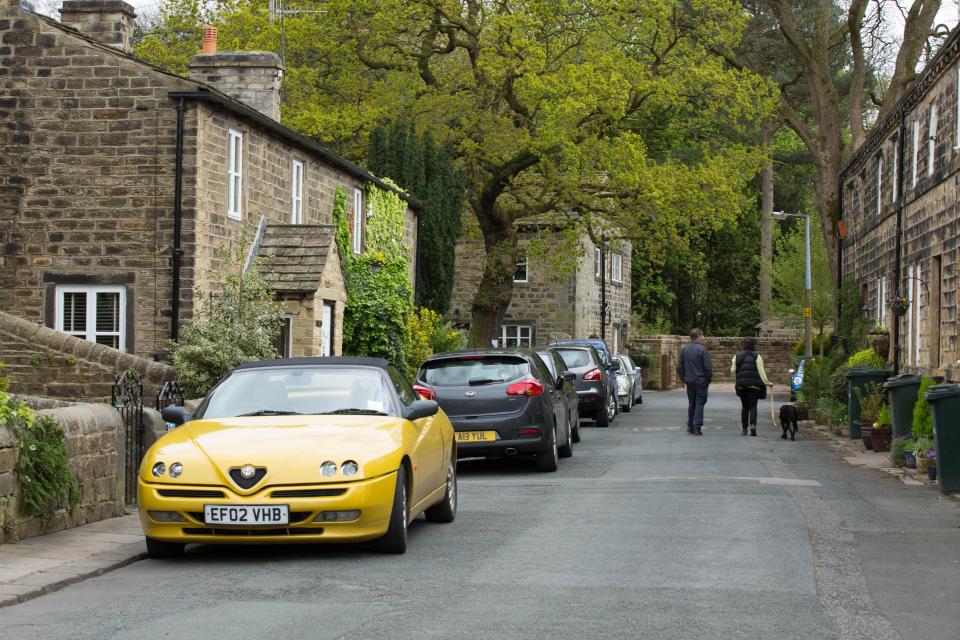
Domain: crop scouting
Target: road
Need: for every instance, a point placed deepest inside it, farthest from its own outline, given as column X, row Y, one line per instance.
column 646, row 532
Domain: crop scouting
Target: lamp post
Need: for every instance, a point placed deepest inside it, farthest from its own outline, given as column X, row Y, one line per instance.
column 807, row 311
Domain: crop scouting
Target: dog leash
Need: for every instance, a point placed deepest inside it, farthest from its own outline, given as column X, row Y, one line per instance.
column 773, row 418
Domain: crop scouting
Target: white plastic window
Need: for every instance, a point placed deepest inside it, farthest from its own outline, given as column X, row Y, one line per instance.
column 235, row 174
column 296, row 193
column 932, row 141
column 94, row 313
column 358, row 221
column 515, row 335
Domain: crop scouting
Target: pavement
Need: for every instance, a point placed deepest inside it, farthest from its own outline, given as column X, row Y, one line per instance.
column 645, row 532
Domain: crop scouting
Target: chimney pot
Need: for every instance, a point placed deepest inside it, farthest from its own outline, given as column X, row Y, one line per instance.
column 209, row 40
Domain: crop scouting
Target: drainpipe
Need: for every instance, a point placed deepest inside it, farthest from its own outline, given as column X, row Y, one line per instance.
column 839, row 299
column 603, row 291
column 177, row 223
column 898, row 236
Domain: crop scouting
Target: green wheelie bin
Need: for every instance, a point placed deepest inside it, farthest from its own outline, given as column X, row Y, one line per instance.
column 944, row 401
column 902, row 396
column 857, row 379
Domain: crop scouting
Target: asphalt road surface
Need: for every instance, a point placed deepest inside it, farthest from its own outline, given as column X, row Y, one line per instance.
column 646, row 532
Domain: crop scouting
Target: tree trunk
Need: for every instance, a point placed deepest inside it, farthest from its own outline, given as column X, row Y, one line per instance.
column 496, row 286
column 766, row 230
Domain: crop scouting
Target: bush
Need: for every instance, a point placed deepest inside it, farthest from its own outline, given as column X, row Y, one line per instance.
column 800, row 346
column 378, row 310
column 899, row 445
column 839, row 391
column 922, row 412
column 429, row 334
column 866, row 359
column 43, row 467
column 239, row 325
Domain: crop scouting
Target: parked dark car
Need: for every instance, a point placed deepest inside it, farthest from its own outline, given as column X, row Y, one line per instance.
column 596, row 388
column 501, row 402
column 610, row 364
column 566, row 387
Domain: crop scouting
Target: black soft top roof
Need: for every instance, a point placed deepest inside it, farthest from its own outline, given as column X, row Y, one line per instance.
column 379, row 363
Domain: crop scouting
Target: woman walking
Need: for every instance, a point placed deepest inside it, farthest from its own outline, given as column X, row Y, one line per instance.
column 752, row 383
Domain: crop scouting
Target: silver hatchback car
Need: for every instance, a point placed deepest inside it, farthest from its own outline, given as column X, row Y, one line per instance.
column 629, row 383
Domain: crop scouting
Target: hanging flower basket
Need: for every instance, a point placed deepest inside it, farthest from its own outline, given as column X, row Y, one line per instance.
column 900, row 305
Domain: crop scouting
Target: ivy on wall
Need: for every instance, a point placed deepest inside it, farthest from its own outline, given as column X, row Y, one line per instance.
column 340, row 222
column 385, row 229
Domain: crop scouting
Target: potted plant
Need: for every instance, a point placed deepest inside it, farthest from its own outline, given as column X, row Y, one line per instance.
column 900, row 304
column 901, row 452
column 921, row 449
column 882, row 429
column 871, row 397
column 880, row 341
column 932, row 464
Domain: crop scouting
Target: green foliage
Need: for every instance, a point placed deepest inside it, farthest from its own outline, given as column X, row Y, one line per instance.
column 839, row 385
column 852, row 326
column 379, row 304
column 43, row 467
column 923, row 412
column 238, row 324
column 923, row 445
column 800, row 346
column 897, row 449
column 341, row 223
column 385, row 228
column 429, row 334
column 789, row 277
column 871, row 397
column 426, row 171
column 175, row 35
column 884, row 419
column 866, row 359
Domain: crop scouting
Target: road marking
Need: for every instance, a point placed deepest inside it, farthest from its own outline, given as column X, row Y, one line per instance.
column 644, row 429
column 783, row 482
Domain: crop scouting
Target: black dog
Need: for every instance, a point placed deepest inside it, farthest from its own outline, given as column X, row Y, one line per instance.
column 788, row 421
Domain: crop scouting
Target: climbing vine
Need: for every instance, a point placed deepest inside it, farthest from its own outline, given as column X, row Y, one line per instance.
column 340, row 222
column 385, row 229
column 43, row 468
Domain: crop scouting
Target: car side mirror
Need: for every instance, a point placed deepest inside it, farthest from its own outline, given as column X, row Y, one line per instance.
column 569, row 376
column 791, row 371
column 616, row 365
column 175, row 414
column 636, row 369
column 421, row 409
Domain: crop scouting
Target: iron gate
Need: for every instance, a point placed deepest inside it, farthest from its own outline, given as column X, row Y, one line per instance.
column 127, row 397
column 170, row 394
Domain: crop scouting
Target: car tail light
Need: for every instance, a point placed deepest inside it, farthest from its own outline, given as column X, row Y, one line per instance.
column 529, row 432
column 593, row 374
column 425, row 393
column 526, row 387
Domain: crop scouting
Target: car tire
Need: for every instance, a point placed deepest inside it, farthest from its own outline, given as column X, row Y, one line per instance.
column 566, row 451
column 446, row 510
column 640, row 399
column 576, row 428
column 395, row 539
column 626, row 408
column 602, row 418
column 159, row 549
column 549, row 460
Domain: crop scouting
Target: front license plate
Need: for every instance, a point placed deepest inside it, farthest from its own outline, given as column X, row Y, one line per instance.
column 248, row 514
column 476, row 436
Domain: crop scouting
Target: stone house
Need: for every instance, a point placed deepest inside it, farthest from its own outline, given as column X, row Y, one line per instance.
column 900, row 220
column 121, row 183
column 547, row 303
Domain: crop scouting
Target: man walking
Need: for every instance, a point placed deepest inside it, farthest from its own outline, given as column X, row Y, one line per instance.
column 696, row 372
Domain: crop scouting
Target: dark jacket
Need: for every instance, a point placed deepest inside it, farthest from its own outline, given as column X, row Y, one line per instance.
column 695, row 367
column 748, row 375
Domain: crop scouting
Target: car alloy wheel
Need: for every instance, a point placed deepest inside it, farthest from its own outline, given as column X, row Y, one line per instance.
column 611, row 408
column 549, row 460
column 446, row 509
column 566, row 450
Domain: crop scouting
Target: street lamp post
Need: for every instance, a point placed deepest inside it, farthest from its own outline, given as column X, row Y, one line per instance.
column 807, row 311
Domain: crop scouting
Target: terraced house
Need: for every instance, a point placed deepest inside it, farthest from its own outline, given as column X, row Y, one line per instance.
column 120, row 183
column 901, row 219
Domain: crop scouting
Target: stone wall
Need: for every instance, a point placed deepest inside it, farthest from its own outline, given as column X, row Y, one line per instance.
column 41, row 361
column 664, row 351
column 929, row 193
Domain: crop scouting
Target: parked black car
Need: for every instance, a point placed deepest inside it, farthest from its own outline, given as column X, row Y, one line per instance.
column 596, row 388
column 501, row 402
column 566, row 387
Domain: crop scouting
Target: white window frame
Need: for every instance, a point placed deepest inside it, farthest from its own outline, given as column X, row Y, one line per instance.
column 916, row 149
column 525, row 261
column 881, row 301
column 357, row 220
column 879, row 182
column 516, row 330
column 296, row 192
column 910, row 313
column 90, row 333
column 956, row 144
column 932, row 140
column 597, row 262
column 616, row 267
column 235, row 174
column 893, row 172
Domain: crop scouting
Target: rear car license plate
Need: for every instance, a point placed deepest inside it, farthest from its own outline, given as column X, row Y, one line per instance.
column 476, row 436
column 247, row 514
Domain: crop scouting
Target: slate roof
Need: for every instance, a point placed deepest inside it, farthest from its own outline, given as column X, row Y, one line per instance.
column 293, row 257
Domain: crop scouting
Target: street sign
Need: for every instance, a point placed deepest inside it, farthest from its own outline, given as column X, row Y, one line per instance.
column 807, row 312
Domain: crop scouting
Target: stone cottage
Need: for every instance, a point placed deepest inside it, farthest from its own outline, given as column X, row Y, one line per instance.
column 120, row 184
column 550, row 303
column 901, row 220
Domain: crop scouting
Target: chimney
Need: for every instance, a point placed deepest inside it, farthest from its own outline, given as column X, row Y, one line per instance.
column 108, row 21
column 253, row 77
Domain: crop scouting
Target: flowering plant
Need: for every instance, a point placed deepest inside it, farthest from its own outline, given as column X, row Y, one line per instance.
column 932, row 457
column 900, row 301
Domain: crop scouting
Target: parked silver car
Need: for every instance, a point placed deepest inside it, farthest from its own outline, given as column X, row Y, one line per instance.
column 629, row 383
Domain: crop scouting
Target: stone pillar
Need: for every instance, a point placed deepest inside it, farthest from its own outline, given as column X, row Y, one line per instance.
column 253, row 77
column 107, row 21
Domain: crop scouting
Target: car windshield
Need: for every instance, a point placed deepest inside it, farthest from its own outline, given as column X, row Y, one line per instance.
column 302, row 390
column 473, row 370
column 574, row 358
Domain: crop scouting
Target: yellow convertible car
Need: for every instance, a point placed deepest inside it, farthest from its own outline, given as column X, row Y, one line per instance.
column 300, row 450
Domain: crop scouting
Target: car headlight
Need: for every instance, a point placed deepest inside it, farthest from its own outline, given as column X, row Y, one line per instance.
column 328, row 469
column 349, row 468
column 176, row 469
column 158, row 469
